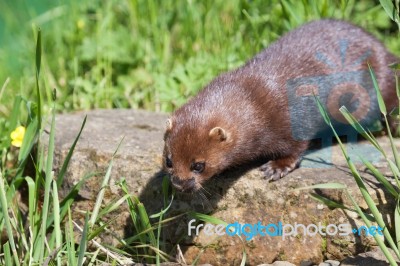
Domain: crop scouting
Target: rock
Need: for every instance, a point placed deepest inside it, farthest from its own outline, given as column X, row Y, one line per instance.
column 306, row 263
column 374, row 257
column 279, row 263
column 330, row 263
column 241, row 195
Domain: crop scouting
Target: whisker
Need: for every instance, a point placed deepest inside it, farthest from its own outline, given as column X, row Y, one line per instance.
column 205, row 190
column 205, row 202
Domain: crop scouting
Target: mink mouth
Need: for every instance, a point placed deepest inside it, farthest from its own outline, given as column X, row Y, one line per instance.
column 187, row 190
column 184, row 185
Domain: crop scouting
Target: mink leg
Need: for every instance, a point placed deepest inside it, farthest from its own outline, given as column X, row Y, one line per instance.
column 276, row 169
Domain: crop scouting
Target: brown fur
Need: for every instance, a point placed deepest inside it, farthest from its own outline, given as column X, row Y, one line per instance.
column 243, row 115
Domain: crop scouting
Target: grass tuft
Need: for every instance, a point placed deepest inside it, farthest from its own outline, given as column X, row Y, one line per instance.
column 374, row 214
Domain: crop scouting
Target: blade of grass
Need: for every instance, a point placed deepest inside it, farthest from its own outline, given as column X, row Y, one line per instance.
column 15, row 113
column 104, row 184
column 95, row 232
column 28, row 141
column 93, row 258
column 133, row 211
column 57, row 222
column 328, row 202
column 164, row 255
column 38, row 61
column 112, row 206
column 398, row 98
column 100, row 196
column 31, row 200
column 397, row 223
column 132, row 239
column 392, row 10
column 379, row 176
column 207, row 218
column 83, row 242
column 395, row 171
column 32, row 204
column 290, row 11
column 158, row 239
column 377, row 238
column 22, row 236
column 371, row 204
column 333, row 204
column 196, row 259
column 392, row 144
column 105, row 250
column 163, row 211
column 322, row 110
column 360, row 183
column 145, row 223
column 381, row 103
column 389, row 8
column 244, row 257
column 64, row 167
column 7, row 254
column 367, row 197
column 3, row 88
column 66, row 203
column 6, row 217
column 47, row 187
column 324, row 186
column 382, row 108
column 165, row 189
column 69, row 229
column 360, row 129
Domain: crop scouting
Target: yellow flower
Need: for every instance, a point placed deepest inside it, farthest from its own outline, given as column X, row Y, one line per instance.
column 80, row 24
column 17, row 136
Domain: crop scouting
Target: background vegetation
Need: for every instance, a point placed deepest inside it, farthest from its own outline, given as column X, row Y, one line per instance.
column 151, row 54
column 147, row 53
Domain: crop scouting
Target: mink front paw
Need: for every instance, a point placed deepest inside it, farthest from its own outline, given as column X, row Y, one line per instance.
column 275, row 170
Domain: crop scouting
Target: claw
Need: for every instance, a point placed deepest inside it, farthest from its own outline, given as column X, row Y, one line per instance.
column 275, row 170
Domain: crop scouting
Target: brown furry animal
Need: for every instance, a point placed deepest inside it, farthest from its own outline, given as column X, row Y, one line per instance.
column 265, row 109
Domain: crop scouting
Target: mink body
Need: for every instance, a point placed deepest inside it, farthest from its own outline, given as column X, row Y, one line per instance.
column 253, row 111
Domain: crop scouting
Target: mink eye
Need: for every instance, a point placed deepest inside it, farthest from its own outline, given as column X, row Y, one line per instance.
column 198, row 167
column 168, row 162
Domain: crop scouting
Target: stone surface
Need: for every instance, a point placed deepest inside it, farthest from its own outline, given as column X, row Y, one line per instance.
column 330, row 263
column 374, row 257
column 238, row 195
column 279, row 263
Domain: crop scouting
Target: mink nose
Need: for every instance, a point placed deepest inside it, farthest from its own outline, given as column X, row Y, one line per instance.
column 183, row 184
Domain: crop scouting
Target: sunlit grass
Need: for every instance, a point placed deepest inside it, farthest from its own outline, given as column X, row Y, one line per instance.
column 46, row 233
column 155, row 54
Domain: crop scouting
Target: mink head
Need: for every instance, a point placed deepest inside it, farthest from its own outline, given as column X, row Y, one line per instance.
column 194, row 152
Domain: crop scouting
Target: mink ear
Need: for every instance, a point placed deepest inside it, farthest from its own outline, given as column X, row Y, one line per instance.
column 168, row 128
column 168, row 124
column 218, row 133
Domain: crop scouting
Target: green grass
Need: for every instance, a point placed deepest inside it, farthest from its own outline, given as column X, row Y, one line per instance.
column 373, row 213
column 152, row 54
column 45, row 233
column 121, row 54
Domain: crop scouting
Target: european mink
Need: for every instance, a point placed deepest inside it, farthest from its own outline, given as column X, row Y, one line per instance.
column 251, row 112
